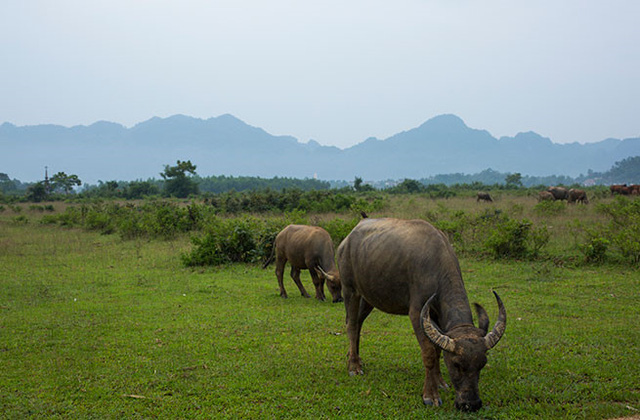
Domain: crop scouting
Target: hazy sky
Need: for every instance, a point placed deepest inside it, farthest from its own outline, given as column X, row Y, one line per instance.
column 337, row 71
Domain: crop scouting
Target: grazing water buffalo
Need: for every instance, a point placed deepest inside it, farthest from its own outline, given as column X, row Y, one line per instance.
column 559, row 193
column 408, row 267
column 575, row 196
column 484, row 196
column 306, row 247
column 545, row 196
column 621, row 189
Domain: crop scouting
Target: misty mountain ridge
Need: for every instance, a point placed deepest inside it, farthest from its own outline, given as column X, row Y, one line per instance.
column 225, row 145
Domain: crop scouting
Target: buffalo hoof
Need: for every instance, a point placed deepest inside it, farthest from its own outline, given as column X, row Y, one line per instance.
column 338, row 300
column 429, row 402
column 469, row 407
column 356, row 372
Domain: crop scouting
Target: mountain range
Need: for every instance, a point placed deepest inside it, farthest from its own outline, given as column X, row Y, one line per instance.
column 225, row 145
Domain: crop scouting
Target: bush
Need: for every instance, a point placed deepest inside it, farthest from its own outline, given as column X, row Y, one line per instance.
column 539, row 239
column 367, row 205
column 21, row 220
column 339, row 229
column 509, row 239
column 595, row 249
column 623, row 230
column 226, row 241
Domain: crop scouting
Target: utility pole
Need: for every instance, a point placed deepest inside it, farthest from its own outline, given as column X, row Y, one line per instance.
column 47, row 187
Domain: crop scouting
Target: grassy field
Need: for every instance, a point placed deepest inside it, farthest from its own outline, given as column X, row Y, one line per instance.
column 95, row 327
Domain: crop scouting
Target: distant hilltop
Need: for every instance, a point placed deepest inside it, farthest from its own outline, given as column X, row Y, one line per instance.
column 225, row 145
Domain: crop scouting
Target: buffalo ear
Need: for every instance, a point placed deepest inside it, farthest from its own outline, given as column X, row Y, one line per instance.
column 483, row 318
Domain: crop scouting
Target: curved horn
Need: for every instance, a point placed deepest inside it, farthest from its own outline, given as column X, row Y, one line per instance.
column 495, row 335
column 325, row 274
column 443, row 341
column 483, row 318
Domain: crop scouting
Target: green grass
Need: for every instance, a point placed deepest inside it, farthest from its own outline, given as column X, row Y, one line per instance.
column 95, row 327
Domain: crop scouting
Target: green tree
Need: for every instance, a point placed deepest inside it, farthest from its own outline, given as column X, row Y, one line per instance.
column 410, row 186
column 357, row 183
column 140, row 189
column 6, row 184
column 36, row 192
column 514, row 180
column 64, row 182
column 360, row 186
column 626, row 170
column 177, row 182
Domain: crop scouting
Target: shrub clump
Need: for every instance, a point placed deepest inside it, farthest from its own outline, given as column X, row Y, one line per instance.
column 244, row 240
column 623, row 229
column 595, row 249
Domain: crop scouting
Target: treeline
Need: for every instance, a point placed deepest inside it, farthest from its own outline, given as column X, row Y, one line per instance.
column 14, row 190
column 301, row 195
column 626, row 171
column 205, row 186
column 177, row 182
column 220, row 184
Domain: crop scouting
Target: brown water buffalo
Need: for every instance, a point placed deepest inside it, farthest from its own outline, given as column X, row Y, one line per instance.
column 621, row 189
column 311, row 248
column 484, row 196
column 545, row 196
column 576, row 196
column 408, row 267
column 559, row 193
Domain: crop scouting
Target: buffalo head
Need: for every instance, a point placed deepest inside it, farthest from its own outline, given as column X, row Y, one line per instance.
column 465, row 348
column 333, row 283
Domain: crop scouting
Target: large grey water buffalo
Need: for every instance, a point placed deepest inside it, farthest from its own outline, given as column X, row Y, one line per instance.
column 306, row 247
column 408, row 267
column 575, row 196
column 559, row 193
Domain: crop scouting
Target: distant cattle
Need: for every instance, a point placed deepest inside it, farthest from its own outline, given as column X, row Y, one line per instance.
column 559, row 193
column 306, row 247
column 483, row 196
column 577, row 196
column 634, row 189
column 545, row 196
column 621, row 189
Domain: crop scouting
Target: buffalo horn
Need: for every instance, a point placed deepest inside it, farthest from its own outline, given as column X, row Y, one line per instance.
column 436, row 337
column 325, row 274
column 495, row 335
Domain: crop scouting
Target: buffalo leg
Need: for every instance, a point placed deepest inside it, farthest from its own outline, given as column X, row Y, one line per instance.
column 363, row 312
column 354, row 325
column 318, row 282
column 430, row 359
column 295, row 275
column 280, row 274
